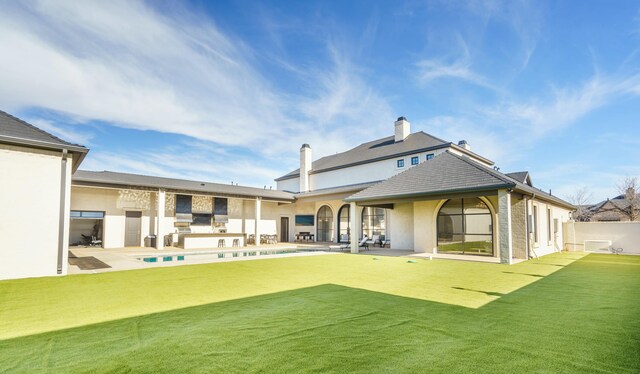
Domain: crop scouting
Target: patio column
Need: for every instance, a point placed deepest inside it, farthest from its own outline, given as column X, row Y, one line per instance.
column 257, row 220
column 504, row 227
column 159, row 219
column 353, row 226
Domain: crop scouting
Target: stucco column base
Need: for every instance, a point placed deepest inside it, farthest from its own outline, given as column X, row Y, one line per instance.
column 159, row 220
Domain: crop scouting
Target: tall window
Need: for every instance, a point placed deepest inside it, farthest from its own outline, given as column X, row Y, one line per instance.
column 465, row 226
column 374, row 221
column 325, row 224
column 344, row 223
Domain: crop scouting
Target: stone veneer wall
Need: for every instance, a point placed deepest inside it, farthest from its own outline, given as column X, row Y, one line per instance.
column 519, row 227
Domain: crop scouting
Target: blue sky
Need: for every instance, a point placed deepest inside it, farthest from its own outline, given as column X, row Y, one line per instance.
column 228, row 91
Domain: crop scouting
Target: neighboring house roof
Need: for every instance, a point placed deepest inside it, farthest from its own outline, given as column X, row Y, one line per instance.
column 618, row 203
column 336, row 190
column 380, row 149
column 18, row 132
column 124, row 180
column 447, row 173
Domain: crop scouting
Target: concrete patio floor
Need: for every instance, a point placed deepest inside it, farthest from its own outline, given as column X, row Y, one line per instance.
column 130, row 257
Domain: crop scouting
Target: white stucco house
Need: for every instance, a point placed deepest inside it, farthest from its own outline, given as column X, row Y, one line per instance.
column 409, row 191
column 35, row 186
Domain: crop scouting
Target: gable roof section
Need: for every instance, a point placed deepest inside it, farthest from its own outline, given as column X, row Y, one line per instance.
column 521, row 176
column 16, row 131
column 376, row 150
column 447, row 173
column 125, row 180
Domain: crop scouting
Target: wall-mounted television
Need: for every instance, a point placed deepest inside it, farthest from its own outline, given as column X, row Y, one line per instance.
column 200, row 219
column 304, row 220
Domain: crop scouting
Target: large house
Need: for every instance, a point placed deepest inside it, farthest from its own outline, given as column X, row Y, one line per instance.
column 409, row 191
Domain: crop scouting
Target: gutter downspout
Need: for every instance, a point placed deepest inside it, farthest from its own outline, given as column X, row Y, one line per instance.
column 526, row 225
column 63, row 206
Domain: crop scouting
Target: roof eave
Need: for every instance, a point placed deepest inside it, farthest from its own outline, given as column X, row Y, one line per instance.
column 432, row 193
column 382, row 158
column 472, row 154
column 88, row 182
column 79, row 150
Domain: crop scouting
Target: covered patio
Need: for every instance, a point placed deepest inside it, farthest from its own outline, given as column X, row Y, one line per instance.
column 453, row 207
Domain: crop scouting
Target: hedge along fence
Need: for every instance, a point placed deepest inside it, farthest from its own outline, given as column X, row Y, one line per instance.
column 625, row 235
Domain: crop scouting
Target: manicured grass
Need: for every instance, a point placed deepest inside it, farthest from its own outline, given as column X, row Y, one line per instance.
column 340, row 313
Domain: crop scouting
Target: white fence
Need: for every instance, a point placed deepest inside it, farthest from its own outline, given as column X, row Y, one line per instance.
column 625, row 235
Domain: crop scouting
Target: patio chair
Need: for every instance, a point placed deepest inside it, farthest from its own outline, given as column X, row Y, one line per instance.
column 364, row 243
column 376, row 240
column 95, row 242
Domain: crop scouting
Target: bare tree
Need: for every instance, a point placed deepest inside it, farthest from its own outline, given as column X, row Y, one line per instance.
column 580, row 199
column 630, row 190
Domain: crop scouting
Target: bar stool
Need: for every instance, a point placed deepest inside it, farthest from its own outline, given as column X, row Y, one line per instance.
column 236, row 242
column 221, row 243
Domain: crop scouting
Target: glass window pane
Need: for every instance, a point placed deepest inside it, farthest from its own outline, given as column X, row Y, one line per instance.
column 75, row 214
column 453, row 206
column 478, row 224
column 450, row 225
column 92, row 215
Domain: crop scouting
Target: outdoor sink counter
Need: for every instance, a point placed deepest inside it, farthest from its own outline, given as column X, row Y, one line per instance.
column 194, row 241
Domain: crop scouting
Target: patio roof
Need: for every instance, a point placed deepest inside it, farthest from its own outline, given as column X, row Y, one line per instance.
column 146, row 182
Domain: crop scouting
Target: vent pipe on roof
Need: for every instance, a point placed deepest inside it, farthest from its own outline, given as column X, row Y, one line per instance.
column 464, row 144
column 305, row 167
column 403, row 129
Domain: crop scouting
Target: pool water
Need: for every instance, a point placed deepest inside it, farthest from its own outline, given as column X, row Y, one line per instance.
column 227, row 254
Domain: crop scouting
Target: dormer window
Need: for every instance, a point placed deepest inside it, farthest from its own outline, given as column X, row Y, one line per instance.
column 400, row 163
column 429, row 156
column 414, row 160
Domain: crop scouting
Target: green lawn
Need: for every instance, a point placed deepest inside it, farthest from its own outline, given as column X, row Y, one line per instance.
column 339, row 313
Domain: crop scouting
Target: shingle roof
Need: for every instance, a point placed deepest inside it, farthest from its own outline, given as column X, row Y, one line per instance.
column 521, row 176
column 13, row 130
column 113, row 179
column 335, row 190
column 618, row 202
column 444, row 174
column 375, row 150
column 14, row 127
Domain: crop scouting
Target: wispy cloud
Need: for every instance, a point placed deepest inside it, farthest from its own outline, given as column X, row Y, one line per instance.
column 170, row 70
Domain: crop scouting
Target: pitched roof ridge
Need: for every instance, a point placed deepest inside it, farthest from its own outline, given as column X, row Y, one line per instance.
column 487, row 170
column 435, row 137
column 38, row 129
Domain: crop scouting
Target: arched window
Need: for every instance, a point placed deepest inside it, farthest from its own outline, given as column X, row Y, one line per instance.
column 374, row 221
column 465, row 226
column 344, row 223
column 325, row 224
